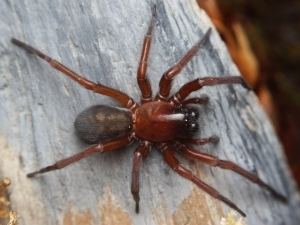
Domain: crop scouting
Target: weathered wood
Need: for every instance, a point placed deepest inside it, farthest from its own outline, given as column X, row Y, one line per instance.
column 102, row 39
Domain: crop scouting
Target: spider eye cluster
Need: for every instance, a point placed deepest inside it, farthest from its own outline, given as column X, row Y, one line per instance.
column 191, row 116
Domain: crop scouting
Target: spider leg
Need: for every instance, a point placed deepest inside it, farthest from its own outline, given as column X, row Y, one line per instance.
column 141, row 152
column 167, row 77
column 197, row 84
column 182, row 171
column 198, row 101
column 121, row 97
column 143, row 82
column 99, row 148
column 201, row 141
column 228, row 165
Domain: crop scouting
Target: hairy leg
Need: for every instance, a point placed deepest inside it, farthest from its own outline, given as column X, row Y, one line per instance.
column 99, row 148
column 167, row 77
column 171, row 160
column 201, row 141
column 228, row 165
column 197, row 84
column 197, row 101
column 143, row 82
column 141, row 152
column 119, row 96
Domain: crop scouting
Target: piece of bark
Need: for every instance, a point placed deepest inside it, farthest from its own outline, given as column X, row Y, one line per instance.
column 102, row 39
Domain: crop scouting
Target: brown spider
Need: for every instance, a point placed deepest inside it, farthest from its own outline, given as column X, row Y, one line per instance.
column 167, row 122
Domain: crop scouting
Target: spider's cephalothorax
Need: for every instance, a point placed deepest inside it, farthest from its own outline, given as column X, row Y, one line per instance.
column 162, row 122
column 168, row 122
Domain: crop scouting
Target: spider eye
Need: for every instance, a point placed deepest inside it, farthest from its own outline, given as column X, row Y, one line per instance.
column 193, row 114
column 193, row 127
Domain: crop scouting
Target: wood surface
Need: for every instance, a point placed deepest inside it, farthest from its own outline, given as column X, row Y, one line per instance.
column 102, row 39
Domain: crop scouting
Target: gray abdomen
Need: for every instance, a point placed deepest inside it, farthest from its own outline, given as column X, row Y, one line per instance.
column 101, row 122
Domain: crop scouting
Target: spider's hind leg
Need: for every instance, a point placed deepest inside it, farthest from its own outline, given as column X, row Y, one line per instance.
column 99, row 148
column 125, row 100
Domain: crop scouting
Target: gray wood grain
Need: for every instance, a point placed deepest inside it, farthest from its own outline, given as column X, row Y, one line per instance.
column 102, row 39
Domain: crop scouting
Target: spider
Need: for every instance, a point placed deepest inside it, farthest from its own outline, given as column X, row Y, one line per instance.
column 167, row 122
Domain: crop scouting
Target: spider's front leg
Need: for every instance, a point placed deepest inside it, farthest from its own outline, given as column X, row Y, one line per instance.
column 141, row 152
column 228, row 165
column 142, row 80
column 171, row 160
column 166, row 80
column 201, row 141
column 197, row 101
column 99, row 148
column 199, row 83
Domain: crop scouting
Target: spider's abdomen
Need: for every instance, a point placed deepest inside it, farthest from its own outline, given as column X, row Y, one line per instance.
column 101, row 122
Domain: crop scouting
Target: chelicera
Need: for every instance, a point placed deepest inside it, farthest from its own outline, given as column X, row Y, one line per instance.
column 166, row 122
